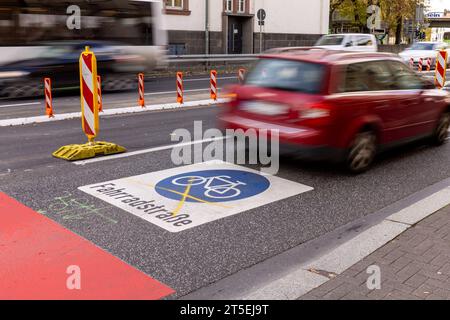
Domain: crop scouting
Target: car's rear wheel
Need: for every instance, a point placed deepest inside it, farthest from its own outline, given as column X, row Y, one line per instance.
column 361, row 152
column 441, row 133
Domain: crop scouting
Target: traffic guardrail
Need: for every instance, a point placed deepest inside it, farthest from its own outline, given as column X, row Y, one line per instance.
column 212, row 58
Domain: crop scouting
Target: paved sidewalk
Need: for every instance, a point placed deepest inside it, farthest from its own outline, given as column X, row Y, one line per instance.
column 416, row 265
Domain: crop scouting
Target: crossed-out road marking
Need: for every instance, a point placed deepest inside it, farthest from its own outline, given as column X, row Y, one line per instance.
column 185, row 195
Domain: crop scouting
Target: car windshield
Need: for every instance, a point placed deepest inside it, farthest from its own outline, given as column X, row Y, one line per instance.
column 330, row 41
column 423, row 46
column 287, row 75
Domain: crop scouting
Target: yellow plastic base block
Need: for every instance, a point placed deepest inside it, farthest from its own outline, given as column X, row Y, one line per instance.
column 76, row 152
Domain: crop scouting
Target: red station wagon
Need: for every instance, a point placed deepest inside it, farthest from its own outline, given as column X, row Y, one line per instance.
column 336, row 105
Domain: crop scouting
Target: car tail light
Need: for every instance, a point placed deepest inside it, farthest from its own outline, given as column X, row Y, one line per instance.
column 317, row 114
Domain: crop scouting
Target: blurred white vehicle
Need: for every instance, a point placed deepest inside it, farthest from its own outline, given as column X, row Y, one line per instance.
column 348, row 42
column 423, row 50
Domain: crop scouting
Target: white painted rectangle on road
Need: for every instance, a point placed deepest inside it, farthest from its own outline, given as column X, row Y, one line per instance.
column 185, row 197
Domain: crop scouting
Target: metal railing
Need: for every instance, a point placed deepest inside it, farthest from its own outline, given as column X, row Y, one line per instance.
column 202, row 58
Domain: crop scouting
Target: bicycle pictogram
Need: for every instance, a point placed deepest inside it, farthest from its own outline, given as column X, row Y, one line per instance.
column 216, row 187
column 212, row 186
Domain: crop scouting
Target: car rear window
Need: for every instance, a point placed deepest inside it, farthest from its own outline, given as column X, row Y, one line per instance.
column 330, row 41
column 287, row 75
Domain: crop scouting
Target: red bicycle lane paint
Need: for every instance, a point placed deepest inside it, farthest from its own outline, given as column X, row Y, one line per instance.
column 36, row 253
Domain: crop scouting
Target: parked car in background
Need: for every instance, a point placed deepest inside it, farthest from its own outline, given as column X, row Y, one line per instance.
column 423, row 50
column 339, row 106
column 348, row 42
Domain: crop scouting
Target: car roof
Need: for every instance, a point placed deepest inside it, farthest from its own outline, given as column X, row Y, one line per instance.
column 324, row 56
column 347, row 34
column 429, row 42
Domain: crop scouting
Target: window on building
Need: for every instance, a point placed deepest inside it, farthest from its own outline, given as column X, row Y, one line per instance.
column 241, row 6
column 229, row 5
column 174, row 4
column 177, row 7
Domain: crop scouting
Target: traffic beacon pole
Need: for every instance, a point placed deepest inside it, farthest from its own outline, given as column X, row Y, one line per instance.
column 441, row 69
column 89, row 97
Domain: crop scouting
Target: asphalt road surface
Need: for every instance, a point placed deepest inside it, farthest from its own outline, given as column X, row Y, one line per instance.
column 189, row 260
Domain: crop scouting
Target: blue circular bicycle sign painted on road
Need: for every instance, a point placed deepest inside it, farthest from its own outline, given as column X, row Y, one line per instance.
column 213, row 186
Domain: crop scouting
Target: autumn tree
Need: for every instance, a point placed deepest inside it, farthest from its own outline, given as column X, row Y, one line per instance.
column 393, row 13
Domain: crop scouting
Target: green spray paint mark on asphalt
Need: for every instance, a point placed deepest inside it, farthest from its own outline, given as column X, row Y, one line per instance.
column 72, row 208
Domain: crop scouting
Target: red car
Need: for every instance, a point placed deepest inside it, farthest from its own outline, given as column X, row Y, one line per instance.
column 336, row 105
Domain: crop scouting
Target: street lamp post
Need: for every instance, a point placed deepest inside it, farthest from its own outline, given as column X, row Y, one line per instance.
column 207, row 27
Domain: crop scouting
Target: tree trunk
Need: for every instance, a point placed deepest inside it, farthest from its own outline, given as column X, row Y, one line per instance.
column 398, row 30
column 356, row 17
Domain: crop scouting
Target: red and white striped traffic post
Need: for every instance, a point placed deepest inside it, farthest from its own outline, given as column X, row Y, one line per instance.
column 48, row 97
column 241, row 76
column 89, row 94
column 141, row 90
column 429, row 64
column 99, row 91
column 420, row 67
column 441, row 69
column 214, row 85
column 180, row 88
column 411, row 63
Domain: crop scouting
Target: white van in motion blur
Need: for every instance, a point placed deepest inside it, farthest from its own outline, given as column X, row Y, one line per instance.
column 349, row 42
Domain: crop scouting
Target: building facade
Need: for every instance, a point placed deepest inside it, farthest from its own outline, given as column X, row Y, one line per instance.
column 232, row 26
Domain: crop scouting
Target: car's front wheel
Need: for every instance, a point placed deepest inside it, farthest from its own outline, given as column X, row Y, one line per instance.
column 361, row 152
column 441, row 132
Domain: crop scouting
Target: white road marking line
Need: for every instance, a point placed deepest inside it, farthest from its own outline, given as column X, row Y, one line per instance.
column 111, row 112
column 150, row 150
column 174, row 92
column 20, row 104
column 144, row 151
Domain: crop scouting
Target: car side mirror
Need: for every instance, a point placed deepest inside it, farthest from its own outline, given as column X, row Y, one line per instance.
column 348, row 44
